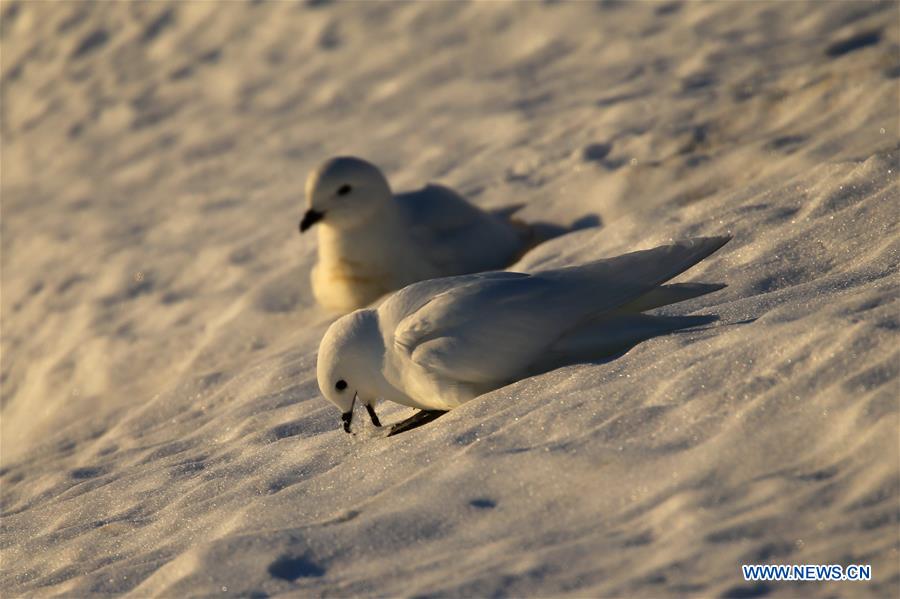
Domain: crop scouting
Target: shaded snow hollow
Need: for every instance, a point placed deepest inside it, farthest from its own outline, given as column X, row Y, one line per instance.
column 162, row 432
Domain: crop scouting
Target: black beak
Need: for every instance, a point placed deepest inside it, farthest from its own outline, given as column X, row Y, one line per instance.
column 347, row 417
column 310, row 218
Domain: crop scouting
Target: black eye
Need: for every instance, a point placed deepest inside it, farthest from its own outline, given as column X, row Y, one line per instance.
column 340, row 385
column 344, row 190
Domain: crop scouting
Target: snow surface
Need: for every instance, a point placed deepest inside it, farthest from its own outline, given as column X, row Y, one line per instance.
column 162, row 433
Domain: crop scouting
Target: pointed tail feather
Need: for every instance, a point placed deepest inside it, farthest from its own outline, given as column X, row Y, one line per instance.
column 506, row 212
column 670, row 294
column 606, row 285
column 535, row 233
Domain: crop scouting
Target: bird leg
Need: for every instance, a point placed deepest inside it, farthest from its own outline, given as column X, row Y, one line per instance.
column 373, row 415
column 415, row 421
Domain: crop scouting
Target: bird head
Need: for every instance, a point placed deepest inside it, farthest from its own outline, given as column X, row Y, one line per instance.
column 349, row 364
column 344, row 192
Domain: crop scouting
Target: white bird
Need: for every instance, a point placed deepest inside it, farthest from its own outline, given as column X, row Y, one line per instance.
column 372, row 242
column 437, row 344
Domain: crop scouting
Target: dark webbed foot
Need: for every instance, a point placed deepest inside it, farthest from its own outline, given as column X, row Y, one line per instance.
column 415, row 421
column 373, row 415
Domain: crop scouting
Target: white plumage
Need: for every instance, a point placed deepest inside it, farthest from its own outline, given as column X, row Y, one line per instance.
column 437, row 344
column 372, row 241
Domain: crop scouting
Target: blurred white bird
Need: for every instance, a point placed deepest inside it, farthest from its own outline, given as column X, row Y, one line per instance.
column 372, row 242
column 440, row 343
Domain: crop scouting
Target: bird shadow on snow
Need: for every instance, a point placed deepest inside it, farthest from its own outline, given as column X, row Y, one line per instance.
column 293, row 567
column 671, row 325
column 644, row 329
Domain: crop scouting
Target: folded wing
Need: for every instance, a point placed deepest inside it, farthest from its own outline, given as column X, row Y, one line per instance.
column 456, row 236
column 489, row 330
